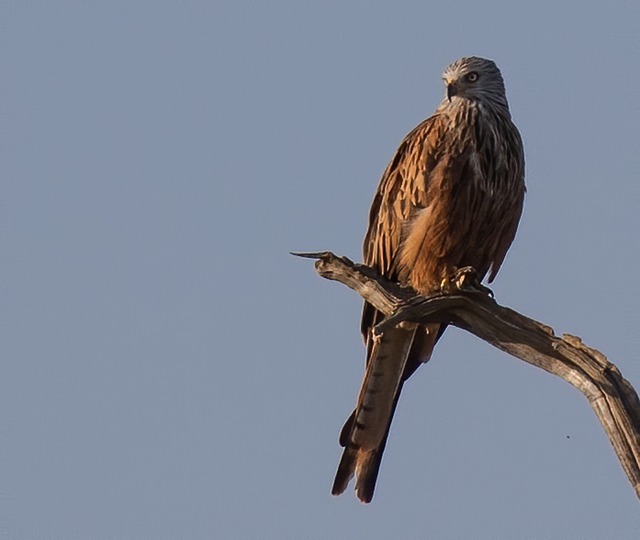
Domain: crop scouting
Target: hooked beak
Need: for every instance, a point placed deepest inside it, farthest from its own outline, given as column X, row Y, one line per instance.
column 452, row 90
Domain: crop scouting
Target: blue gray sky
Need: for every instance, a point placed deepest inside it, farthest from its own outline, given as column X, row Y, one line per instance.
column 169, row 371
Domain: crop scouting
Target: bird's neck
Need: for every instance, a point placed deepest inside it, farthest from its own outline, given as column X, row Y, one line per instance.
column 463, row 110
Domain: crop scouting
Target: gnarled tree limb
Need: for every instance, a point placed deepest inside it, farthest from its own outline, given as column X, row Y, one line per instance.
column 612, row 397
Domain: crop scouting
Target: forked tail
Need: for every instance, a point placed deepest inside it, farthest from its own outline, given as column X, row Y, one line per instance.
column 391, row 360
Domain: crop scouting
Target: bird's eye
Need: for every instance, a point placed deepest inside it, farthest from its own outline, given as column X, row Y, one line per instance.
column 473, row 76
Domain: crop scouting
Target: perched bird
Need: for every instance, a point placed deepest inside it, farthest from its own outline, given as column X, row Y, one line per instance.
column 451, row 197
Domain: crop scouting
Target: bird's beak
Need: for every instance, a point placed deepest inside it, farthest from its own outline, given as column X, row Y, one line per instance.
column 452, row 90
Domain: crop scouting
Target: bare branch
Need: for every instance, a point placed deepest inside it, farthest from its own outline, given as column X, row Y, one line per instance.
column 469, row 307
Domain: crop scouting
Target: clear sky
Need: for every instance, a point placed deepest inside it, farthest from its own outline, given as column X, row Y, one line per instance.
column 169, row 371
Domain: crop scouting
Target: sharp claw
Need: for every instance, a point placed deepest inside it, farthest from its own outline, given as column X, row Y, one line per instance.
column 465, row 279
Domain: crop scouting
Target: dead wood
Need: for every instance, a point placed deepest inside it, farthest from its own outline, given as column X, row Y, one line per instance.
column 467, row 305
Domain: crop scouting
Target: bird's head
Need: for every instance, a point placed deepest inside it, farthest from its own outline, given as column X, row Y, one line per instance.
column 474, row 79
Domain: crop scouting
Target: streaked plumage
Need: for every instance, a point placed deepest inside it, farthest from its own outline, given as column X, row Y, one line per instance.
column 451, row 196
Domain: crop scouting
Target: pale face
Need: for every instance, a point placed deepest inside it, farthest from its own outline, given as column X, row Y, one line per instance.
column 474, row 79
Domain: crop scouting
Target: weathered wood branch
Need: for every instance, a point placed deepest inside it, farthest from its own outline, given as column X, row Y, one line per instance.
column 469, row 307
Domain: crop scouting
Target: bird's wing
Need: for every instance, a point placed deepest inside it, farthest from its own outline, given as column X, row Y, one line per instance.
column 402, row 191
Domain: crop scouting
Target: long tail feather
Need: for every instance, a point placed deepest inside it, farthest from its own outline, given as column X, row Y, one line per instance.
column 364, row 464
column 391, row 361
column 387, row 361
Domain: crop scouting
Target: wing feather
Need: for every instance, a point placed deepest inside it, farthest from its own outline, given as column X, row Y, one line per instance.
column 402, row 190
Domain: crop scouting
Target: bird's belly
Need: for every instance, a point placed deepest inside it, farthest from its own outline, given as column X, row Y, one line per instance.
column 442, row 238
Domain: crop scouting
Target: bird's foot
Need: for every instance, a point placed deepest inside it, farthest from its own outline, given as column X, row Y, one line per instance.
column 465, row 279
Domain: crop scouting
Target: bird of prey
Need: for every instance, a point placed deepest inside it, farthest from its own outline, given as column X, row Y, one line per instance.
column 451, row 197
